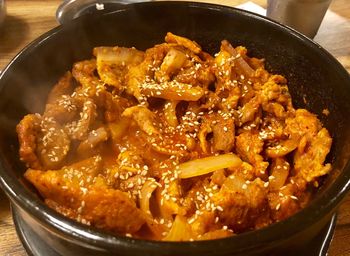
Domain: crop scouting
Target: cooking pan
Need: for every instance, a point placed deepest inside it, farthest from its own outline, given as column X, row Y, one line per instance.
column 316, row 81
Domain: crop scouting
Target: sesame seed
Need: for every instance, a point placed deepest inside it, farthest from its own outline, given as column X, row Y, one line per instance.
column 190, row 221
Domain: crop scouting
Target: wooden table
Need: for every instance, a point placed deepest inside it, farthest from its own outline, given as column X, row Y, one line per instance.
column 27, row 19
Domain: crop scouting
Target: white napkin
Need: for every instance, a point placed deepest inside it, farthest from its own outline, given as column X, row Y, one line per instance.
column 249, row 6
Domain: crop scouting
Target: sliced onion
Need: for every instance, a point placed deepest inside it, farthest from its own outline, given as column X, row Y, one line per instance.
column 279, row 173
column 173, row 61
column 241, row 63
column 170, row 112
column 146, row 193
column 206, row 165
column 118, row 55
column 180, row 231
column 172, row 90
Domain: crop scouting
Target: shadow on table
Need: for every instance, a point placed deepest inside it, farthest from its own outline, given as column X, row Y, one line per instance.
column 334, row 33
column 12, row 34
column 4, row 205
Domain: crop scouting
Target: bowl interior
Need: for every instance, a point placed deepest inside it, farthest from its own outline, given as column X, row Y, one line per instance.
column 316, row 80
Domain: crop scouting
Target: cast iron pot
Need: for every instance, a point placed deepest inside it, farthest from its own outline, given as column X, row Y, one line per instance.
column 316, row 81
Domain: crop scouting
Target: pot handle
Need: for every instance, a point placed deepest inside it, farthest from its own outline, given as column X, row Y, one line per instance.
column 71, row 9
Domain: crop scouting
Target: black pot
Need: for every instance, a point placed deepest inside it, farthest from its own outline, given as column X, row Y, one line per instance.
column 316, row 81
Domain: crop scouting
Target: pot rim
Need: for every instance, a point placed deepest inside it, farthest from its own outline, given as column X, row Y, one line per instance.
column 316, row 210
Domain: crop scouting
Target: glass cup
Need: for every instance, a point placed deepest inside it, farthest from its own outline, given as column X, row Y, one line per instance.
column 303, row 15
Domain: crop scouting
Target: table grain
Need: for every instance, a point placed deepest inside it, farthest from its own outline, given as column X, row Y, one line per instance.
column 28, row 19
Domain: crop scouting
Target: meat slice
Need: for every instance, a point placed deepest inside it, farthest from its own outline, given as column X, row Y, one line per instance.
column 224, row 134
column 27, row 131
column 59, row 185
column 273, row 89
column 223, row 129
column 87, row 200
column 242, row 203
column 144, row 118
column 249, row 146
column 83, row 72
column 143, row 73
column 113, row 210
column 303, row 122
column 196, row 72
column 299, row 129
column 309, row 159
column 113, row 63
column 63, row 109
column 78, row 129
column 53, row 144
column 275, row 109
column 94, row 139
column 63, row 87
column 286, row 201
column 113, row 105
column 43, row 142
column 205, row 129
column 249, row 110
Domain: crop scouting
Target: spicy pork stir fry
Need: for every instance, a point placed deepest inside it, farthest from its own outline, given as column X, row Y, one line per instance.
column 173, row 143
